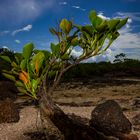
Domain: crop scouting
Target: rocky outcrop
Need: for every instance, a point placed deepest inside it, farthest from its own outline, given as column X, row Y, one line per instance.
column 8, row 111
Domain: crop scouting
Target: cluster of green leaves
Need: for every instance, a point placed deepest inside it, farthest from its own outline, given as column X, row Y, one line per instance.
column 3, row 63
column 28, row 69
column 31, row 67
column 67, row 40
column 90, row 38
column 93, row 37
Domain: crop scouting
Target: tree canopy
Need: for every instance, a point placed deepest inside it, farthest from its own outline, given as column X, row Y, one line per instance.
column 33, row 68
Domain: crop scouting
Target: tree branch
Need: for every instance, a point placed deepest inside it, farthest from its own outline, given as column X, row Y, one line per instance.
column 57, row 80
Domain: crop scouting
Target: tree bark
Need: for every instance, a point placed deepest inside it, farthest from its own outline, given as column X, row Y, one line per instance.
column 47, row 111
column 59, row 126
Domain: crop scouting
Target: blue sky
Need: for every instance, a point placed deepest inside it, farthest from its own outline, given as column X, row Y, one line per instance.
column 29, row 20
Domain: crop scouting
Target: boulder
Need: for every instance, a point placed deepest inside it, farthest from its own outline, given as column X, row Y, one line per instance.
column 8, row 111
column 109, row 119
column 136, row 103
column 8, row 90
column 127, row 137
column 136, row 119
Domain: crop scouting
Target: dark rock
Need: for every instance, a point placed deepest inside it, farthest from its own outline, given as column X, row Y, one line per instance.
column 8, row 112
column 38, row 135
column 136, row 103
column 8, row 90
column 127, row 137
column 136, row 128
column 136, row 119
column 109, row 119
column 78, row 118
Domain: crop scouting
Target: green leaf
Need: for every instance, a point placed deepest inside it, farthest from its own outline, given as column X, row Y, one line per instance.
column 122, row 23
column 92, row 17
column 75, row 41
column 115, row 35
column 19, row 84
column 95, row 20
column 88, row 29
column 23, row 64
column 27, row 50
column 17, row 60
column 56, row 66
column 54, row 32
column 13, row 64
column 51, row 73
column 38, row 59
column 6, row 71
column 55, row 49
column 18, row 57
column 113, row 23
column 22, row 90
column 21, row 94
column 11, row 77
column 65, row 25
column 65, row 56
column 32, row 67
column 34, row 84
column 36, row 51
column 102, row 27
column 47, row 54
column 15, row 72
column 6, row 58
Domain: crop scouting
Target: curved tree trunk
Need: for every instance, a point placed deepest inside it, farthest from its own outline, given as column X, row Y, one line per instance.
column 48, row 110
column 59, row 126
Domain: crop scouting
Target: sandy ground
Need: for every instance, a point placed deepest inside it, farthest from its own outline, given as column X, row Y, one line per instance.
column 29, row 121
column 77, row 92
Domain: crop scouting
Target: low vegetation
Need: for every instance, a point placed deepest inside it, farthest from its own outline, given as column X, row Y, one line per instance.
column 127, row 68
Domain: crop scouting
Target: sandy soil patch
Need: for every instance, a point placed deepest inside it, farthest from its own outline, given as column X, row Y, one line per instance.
column 78, row 93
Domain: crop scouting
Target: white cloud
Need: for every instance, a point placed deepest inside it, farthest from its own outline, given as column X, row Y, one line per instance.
column 128, row 39
column 18, row 11
column 132, row 15
column 108, row 55
column 101, row 15
column 4, row 33
column 17, row 41
column 26, row 29
column 78, row 7
column 5, row 47
column 63, row 3
column 76, row 53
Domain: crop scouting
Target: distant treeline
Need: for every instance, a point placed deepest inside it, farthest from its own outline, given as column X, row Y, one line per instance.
column 129, row 67
column 121, row 67
column 90, row 70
